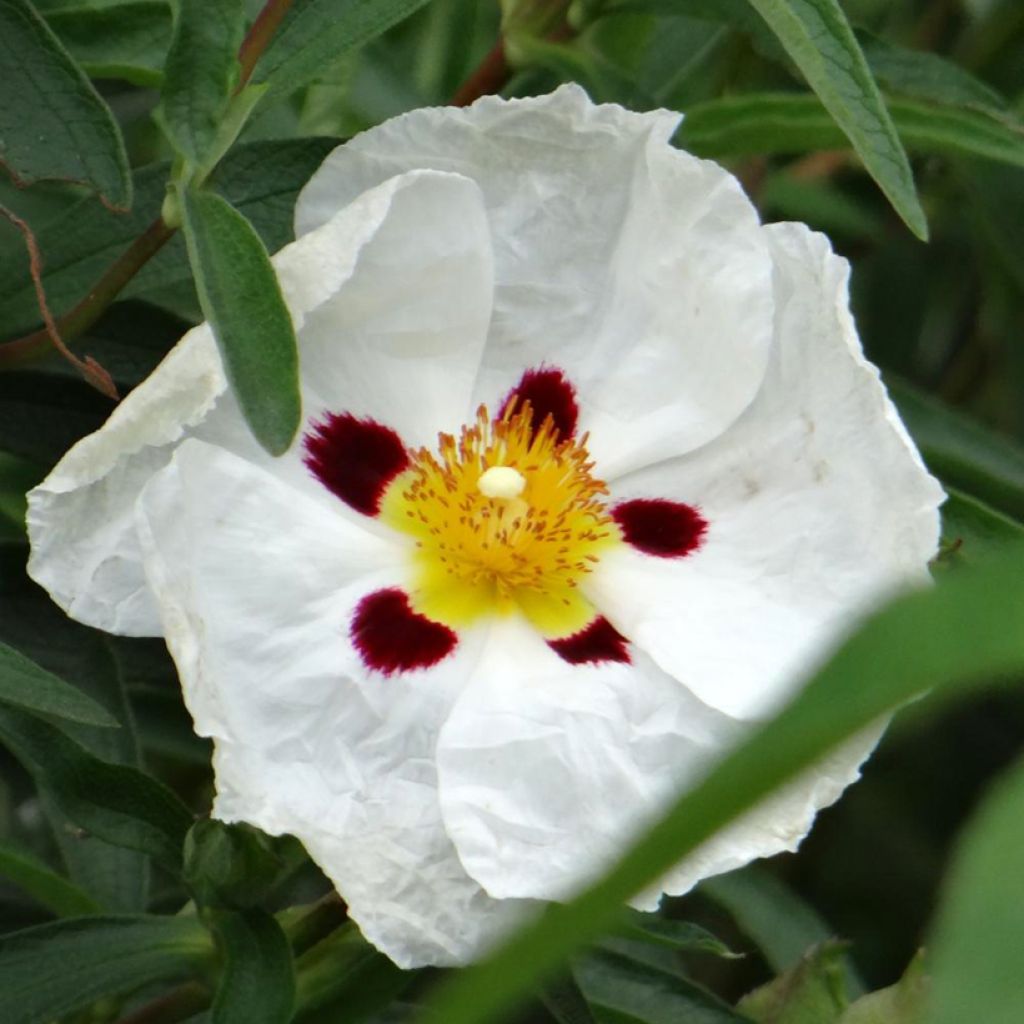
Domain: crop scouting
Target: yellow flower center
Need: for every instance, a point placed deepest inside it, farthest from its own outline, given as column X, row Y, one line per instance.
column 505, row 517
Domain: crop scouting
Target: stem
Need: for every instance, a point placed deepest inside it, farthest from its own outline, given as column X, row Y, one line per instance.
column 490, row 76
column 100, row 296
column 179, row 1004
column 262, row 31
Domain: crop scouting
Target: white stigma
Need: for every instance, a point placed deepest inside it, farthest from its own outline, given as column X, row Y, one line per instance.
column 501, row 482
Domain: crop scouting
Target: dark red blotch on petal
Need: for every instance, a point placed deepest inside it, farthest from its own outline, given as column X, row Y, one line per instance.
column 391, row 637
column 355, row 459
column 600, row 641
column 657, row 526
column 550, row 394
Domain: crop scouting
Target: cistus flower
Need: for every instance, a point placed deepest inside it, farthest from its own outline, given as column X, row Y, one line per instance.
column 592, row 469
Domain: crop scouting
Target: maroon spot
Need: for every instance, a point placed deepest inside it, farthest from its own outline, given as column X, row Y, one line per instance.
column 550, row 394
column 391, row 637
column 355, row 459
column 657, row 526
column 600, row 641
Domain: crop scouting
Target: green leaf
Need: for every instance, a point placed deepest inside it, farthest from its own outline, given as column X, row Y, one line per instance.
column 257, row 982
column 229, row 865
column 317, row 33
column 975, row 529
column 817, row 36
column 962, row 452
column 52, row 890
column 902, row 1003
column 565, row 1002
column 53, row 123
column 810, row 992
column 55, row 969
column 623, row 990
column 242, row 300
column 681, row 936
column 965, row 631
column 17, row 477
column 25, row 685
column 124, row 40
column 116, row 803
column 760, row 123
column 200, row 74
column 780, row 923
column 974, row 949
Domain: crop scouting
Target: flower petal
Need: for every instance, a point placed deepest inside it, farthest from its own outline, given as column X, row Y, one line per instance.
column 666, row 343
column 547, row 768
column 390, row 299
column 257, row 587
column 816, row 504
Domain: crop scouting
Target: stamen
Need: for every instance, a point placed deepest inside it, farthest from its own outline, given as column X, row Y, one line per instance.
column 501, row 482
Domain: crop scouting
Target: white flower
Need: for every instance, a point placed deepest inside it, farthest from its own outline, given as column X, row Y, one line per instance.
column 465, row 690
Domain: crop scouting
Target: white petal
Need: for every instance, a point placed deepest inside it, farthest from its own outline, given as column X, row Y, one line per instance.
column 391, row 300
column 638, row 269
column 256, row 588
column 546, row 769
column 817, row 505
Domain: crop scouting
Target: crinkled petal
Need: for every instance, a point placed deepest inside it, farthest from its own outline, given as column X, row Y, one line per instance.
column 256, row 586
column 548, row 770
column 637, row 269
column 816, row 501
column 390, row 299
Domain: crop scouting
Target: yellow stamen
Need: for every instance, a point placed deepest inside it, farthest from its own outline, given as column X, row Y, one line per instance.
column 504, row 518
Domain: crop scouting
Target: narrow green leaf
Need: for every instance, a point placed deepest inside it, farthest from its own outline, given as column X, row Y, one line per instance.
column 681, row 936
column 974, row 949
column 797, row 123
column 962, row 452
column 200, row 73
column 25, row 685
column 780, row 923
column 55, row 969
column 230, row 866
column 118, row 804
column 316, row 33
column 53, row 123
column 565, row 1002
column 810, row 992
column 817, row 36
column 966, row 631
column 52, row 890
column 257, row 982
column 624, row 990
column 124, row 40
column 242, row 300
column 971, row 529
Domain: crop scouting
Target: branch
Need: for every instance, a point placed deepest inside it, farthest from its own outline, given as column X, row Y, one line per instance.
column 262, row 31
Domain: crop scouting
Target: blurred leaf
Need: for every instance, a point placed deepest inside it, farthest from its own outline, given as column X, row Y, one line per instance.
column 966, row 631
column 782, row 925
column 53, row 124
column 810, row 992
column 761, row 123
column 127, row 40
column 927, row 76
column 116, row 803
column 316, row 33
column 52, row 890
column 816, row 34
column 974, row 527
column 963, row 452
column 242, row 299
column 25, row 685
column 54, row 969
column 229, row 865
column 200, row 73
column 974, row 950
column 260, row 179
column 819, row 203
column 257, row 981
column 996, row 193
column 627, row 991
column 902, row 1003
column 17, row 477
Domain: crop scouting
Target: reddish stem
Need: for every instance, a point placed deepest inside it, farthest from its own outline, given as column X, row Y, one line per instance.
column 490, row 77
column 262, row 31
